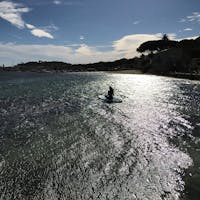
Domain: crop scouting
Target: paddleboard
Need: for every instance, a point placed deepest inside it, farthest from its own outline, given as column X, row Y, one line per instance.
column 114, row 100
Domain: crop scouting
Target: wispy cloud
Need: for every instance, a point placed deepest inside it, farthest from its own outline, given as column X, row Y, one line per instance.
column 136, row 22
column 51, row 27
column 12, row 12
column 66, row 3
column 182, row 20
column 195, row 17
column 30, row 26
column 57, row 2
column 187, row 29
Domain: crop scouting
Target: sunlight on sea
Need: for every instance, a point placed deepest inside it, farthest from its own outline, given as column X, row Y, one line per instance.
column 58, row 140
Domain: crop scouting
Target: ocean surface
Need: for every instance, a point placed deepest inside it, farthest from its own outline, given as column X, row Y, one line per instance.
column 58, row 141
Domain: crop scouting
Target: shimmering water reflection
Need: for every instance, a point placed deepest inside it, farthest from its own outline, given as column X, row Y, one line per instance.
column 59, row 141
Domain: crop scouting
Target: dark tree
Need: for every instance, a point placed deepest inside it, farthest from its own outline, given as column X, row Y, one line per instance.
column 157, row 45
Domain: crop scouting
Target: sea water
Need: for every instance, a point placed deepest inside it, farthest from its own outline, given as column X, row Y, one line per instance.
column 59, row 141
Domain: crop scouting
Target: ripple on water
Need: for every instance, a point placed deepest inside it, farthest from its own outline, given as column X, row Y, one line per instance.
column 60, row 142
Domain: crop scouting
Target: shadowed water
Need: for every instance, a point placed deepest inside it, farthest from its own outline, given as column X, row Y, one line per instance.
column 59, row 141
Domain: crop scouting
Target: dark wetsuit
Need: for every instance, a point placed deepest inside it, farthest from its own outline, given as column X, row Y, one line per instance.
column 110, row 93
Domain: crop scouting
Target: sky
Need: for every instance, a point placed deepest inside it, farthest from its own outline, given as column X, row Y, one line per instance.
column 87, row 31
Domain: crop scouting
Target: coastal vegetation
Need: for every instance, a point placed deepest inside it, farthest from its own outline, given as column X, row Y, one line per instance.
column 162, row 57
column 167, row 56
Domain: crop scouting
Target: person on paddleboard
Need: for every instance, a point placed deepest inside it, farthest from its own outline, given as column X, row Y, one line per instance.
column 110, row 93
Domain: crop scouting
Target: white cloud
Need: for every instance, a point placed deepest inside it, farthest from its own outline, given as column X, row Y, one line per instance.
column 57, row 2
column 86, row 50
column 13, row 54
column 24, row 53
column 12, row 13
column 82, row 37
column 30, row 26
column 41, row 33
column 73, row 45
column 128, row 44
column 171, row 36
column 187, row 29
column 125, row 47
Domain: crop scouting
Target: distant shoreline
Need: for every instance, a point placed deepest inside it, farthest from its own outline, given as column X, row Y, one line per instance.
column 188, row 76
column 179, row 59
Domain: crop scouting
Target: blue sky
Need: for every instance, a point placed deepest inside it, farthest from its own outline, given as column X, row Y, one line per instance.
column 84, row 31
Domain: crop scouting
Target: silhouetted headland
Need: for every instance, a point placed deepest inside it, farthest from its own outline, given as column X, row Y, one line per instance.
column 160, row 57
